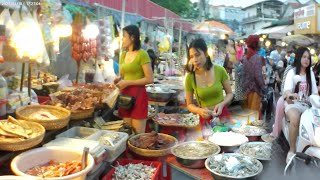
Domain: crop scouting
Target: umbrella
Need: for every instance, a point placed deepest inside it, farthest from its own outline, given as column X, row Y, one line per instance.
column 298, row 39
column 212, row 27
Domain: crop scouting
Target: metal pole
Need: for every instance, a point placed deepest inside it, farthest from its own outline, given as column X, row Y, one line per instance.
column 29, row 79
column 180, row 32
column 123, row 13
column 172, row 64
column 22, row 76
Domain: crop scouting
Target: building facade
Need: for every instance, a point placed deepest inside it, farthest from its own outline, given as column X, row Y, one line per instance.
column 228, row 13
column 261, row 14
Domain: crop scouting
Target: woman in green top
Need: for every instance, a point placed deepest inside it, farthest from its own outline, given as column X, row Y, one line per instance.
column 207, row 82
column 135, row 73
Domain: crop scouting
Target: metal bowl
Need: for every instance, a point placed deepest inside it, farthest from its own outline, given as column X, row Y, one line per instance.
column 243, row 146
column 255, row 136
column 229, row 149
column 160, row 96
column 225, row 147
column 218, row 176
column 195, row 162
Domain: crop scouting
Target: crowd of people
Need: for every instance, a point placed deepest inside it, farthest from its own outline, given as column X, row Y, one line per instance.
column 262, row 77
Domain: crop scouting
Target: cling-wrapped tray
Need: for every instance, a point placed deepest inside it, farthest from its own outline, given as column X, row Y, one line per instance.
column 177, row 120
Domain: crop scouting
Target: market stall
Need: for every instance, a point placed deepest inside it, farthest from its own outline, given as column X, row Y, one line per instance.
column 62, row 108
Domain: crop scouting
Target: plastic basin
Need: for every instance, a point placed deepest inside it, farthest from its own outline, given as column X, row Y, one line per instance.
column 39, row 156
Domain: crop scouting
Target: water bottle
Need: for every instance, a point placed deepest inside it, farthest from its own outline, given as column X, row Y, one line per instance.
column 215, row 121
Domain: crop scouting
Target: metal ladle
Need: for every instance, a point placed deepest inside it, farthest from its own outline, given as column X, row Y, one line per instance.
column 84, row 158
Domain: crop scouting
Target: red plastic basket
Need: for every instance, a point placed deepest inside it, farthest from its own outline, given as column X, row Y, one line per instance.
column 43, row 99
column 123, row 162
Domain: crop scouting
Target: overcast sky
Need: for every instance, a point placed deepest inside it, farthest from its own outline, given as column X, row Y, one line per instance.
column 242, row 3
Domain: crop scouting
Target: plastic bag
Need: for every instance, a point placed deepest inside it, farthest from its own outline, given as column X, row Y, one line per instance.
column 111, row 100
column 167, row 71
column 108, row 72
column 64, row 82
column 207, row 131
column 98, row 77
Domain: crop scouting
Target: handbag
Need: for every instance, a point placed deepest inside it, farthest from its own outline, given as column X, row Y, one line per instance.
column 127, row 102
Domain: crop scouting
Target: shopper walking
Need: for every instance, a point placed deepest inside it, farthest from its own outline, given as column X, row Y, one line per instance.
column 252, row 74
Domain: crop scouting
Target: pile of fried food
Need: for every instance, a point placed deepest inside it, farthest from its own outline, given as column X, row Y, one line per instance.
column 13, row 129
column 43, row 115
column 82, row 98
column 54, row 169
column 153, row 141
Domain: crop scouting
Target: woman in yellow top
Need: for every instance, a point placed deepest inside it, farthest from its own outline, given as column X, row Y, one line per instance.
column 135, row 73
column 207, row 82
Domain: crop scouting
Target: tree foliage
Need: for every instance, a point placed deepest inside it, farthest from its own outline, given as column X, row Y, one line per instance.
column 183, row 8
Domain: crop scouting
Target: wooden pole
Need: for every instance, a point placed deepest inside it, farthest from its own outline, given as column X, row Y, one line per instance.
column 78, row 71
column 29, row 79
column 22, row 76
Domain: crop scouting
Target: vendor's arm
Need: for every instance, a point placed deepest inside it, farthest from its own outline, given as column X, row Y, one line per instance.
column 288, row 87
column 205, row 113
column 148, row 78
column 229, row 95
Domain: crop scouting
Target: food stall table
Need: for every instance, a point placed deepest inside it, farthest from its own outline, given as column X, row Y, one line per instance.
column 191, row 173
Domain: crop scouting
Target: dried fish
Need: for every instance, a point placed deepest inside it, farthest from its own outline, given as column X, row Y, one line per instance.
column 133, row 171
column 234, row 165
column 250, row 130
column 195, row 150
column 259, row 150
column 113, row 137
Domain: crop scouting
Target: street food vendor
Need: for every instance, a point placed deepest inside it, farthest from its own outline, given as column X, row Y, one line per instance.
column 207, row 82
column 135, row 73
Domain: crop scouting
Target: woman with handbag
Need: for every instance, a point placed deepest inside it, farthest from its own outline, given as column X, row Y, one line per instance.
column 207, row 82
column 135, row 73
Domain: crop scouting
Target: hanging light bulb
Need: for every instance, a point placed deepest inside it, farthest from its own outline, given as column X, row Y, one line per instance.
column 27, row 39
column 261, row 39
column 62, row 30
column 264, row 36
column 312, row 51
column 210, row 52
column 90, row 31
column 268, row 43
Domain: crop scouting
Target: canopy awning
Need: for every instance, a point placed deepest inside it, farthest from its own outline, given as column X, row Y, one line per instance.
column 276, row 32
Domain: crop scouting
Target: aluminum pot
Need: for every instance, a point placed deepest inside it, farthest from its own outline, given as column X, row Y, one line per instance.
column 160, row 96
column 195, row 162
